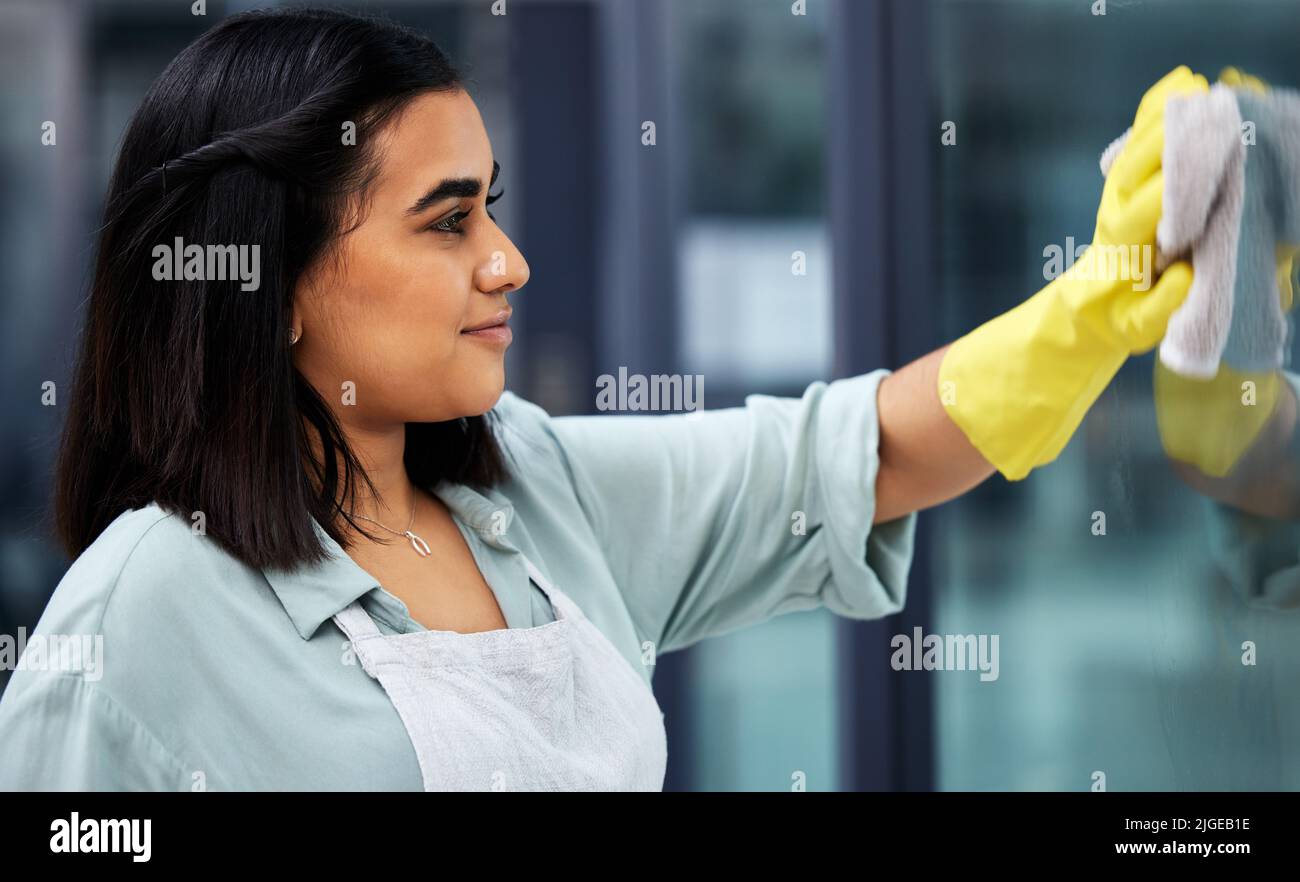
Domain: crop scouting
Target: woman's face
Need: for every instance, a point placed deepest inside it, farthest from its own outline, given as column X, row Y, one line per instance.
column 391, row 314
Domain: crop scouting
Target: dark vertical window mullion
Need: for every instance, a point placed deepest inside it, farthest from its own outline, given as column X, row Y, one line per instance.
column 857, row 172
column 915, row 253
column 554, row 65
column 637, row 298
column 880, row 227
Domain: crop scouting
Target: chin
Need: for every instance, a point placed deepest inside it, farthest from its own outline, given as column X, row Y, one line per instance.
column 483, row 397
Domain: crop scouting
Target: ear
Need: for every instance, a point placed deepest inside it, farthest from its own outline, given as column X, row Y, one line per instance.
column 295, row 323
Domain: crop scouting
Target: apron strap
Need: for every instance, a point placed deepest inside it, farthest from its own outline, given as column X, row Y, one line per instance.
column 366, row 638
column 559, row 600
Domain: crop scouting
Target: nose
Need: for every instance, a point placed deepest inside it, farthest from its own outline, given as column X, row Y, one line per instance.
column 504, row 270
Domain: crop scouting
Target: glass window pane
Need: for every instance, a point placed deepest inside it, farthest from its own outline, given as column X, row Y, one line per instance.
column 749, row 82
column 750, row 88
column 1119, row 653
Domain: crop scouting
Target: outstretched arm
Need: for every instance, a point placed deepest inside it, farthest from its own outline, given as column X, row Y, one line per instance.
column 1009, row 394
column 924, row 458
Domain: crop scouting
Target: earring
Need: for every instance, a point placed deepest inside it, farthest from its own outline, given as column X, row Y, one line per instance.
column 293, row 336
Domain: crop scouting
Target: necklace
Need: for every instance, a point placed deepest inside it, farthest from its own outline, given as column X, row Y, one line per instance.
column 421, row 547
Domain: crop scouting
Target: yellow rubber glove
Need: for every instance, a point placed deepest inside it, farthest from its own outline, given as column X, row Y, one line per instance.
column 1239, row 79
column 1019, row 385
column 1210, row 424
column 1286, row 255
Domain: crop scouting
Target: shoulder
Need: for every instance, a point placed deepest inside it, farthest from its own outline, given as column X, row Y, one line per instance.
column 139, row 567
column 154, row 605
column 526, row 430
column 520, row 414
column 101, row 624
column 79, row 600
column 541, row 460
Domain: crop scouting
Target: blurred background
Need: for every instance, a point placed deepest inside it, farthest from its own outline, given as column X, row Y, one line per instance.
column 781, row 126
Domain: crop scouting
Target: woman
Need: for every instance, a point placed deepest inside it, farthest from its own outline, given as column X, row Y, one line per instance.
column 325, row 550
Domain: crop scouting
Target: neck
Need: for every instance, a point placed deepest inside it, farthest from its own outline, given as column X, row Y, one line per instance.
column 380, row 451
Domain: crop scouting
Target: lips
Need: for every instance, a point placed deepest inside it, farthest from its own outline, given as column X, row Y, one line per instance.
column 494, row 331
column 496, row 321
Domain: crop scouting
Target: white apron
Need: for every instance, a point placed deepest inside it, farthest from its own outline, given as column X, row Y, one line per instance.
column 553, row 707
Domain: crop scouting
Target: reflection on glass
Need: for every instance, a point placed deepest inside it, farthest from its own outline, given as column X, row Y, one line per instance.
column 1146, row 634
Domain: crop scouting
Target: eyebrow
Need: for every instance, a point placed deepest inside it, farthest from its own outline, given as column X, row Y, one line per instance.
column 459, row 188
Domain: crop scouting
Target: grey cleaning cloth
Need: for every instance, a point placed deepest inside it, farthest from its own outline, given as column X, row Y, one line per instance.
column 1270, row 220
column 1222, row 210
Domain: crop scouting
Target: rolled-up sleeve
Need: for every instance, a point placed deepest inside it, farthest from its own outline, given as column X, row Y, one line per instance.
column 716, row 520
column 64, row 733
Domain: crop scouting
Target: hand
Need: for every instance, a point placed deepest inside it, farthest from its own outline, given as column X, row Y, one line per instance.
column 1211, row 424
column 1019, row 385
column 1108, row 295
column 1239, row 79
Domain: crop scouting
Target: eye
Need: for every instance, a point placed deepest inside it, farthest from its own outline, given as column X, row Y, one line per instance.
column 449, row 224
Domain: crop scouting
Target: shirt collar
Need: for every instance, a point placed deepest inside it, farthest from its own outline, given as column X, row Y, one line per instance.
column 312, row 593
column 488, row 515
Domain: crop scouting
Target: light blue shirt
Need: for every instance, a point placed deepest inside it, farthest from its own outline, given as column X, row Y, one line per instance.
column 664, row 529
